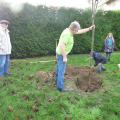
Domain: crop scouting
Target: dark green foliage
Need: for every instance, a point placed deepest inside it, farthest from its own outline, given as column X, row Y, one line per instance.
column 35, row 30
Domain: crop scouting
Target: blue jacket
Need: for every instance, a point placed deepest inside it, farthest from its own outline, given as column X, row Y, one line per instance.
column 109, row 45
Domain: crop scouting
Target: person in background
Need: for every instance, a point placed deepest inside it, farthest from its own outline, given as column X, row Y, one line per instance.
column 64, row 47
column 109, row 44
column 5, row 48
column 99, row 61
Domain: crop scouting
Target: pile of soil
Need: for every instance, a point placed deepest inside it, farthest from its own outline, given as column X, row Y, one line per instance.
column 76, row 78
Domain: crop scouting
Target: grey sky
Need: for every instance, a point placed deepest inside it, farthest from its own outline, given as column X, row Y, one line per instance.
column 16, row 4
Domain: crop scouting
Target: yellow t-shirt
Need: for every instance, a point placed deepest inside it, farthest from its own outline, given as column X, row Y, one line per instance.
column 67, row 38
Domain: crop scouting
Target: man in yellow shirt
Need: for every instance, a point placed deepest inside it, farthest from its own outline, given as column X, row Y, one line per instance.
column 64, row 47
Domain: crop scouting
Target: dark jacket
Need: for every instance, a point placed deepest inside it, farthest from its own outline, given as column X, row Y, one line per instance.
column 98, row 58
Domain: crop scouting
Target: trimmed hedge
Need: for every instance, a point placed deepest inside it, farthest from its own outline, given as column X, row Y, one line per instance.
column 35, row 30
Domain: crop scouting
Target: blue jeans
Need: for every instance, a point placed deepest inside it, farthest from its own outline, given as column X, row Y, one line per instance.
column 4, row 64
column 60, row 71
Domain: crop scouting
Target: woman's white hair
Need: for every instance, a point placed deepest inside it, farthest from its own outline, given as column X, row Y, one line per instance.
column 74, row 25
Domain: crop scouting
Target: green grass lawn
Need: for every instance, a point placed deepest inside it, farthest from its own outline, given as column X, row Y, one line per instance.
column 20, row 98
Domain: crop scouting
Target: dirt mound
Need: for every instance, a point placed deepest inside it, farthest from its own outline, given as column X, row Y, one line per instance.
column 85, row 79
column 44, row 75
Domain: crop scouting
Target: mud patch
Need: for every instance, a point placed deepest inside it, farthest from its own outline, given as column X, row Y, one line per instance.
column 76, row 78
column 85, row 79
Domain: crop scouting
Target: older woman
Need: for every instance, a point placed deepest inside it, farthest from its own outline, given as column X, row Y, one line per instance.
column 5, row 48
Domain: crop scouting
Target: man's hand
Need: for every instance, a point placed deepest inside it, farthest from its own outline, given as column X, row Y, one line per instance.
column 64, row 59
column 92, row 27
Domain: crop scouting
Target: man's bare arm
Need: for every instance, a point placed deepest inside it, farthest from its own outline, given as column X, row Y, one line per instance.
column 81, row 31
